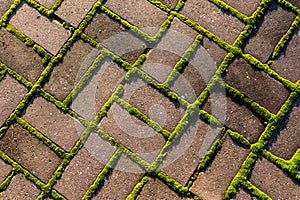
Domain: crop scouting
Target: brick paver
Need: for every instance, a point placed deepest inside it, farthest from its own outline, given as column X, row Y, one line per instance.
column 146, row 99
column 46, row 33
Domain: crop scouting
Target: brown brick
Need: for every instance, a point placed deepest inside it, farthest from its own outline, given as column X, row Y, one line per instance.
column 74, row 11
column 67, row 73
column 186, row 153
column 16, row 55
column 212, row 18
column 40, row 29
column 213, row 182
column 285, row 142
column 20, row 188
column 53, row 123
column 84, row 168
column 11, row 94
column 274, row 25
column 132, row 133
column 5, row 170
column 30, row 152
column 257, row 85
column 138, row 12
column 286, row 64
column 274, row 182
column 120, row 182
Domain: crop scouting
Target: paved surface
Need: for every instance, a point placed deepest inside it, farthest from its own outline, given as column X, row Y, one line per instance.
column 146, row 99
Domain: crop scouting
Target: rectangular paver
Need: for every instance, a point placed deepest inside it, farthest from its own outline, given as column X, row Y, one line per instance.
column 11, row 94
column 30, row 152
column 47, row 33
column 275, row 23
column 53, row 123
column 212, row 18
column 213, row 183
column 19, row 57
column 20, row 188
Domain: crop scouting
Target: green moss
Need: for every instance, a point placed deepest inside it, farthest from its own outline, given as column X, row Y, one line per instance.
column 239, row 138
column 137, row 188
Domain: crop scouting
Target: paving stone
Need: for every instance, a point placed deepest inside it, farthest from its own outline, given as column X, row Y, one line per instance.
column 134, row 134
column 11, row 94
column 257, row 85
column 237, row 117
column 83, row 169
column 120, row 182
column 138, row 12
column 155, row 189
column 74, row 11
column 30, row 152
column 98, row 90
column 53, row 123
column 170, row 3
column 274, row 182
column 67, row 73
column 4, row 6
column 40, row 29
column 159, row 64
column 153, row 104
column 185, row 154
column 216, row 53
column 115, row 37
column 285, row 142
column 246, row 7
column 5, row 170
column 195, row 76
column 242, row 195
column 213, row 183
column 286, row 64
column 16, row 55
column 20, row 188
column 47, row 3
column 270, row 31
column 212, row 18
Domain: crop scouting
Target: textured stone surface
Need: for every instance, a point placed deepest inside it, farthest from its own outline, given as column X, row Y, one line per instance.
column 286, row 141
column 153, row 104
column 236, row 117
column 273, row 181
column 186, row 153
column 5, row 170
column 257, row 85
column 120, row 181
column 286, row 65
column 134, row 12
column 30, row 152
column 74, row 11
column 11, row 94
column 20, row 188
column 133, row 134
column 273, row 26
column 16, row 55
column 53, row 123
column 212, row 18
column 67, row 73
column 92, row 97
column 213, row 182
column 40, row 29
column 79, row 175
column 4, row 6
column 246, row 7
column 47, row 3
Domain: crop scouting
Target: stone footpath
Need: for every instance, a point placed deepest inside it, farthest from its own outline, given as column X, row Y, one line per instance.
column 149, row 99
